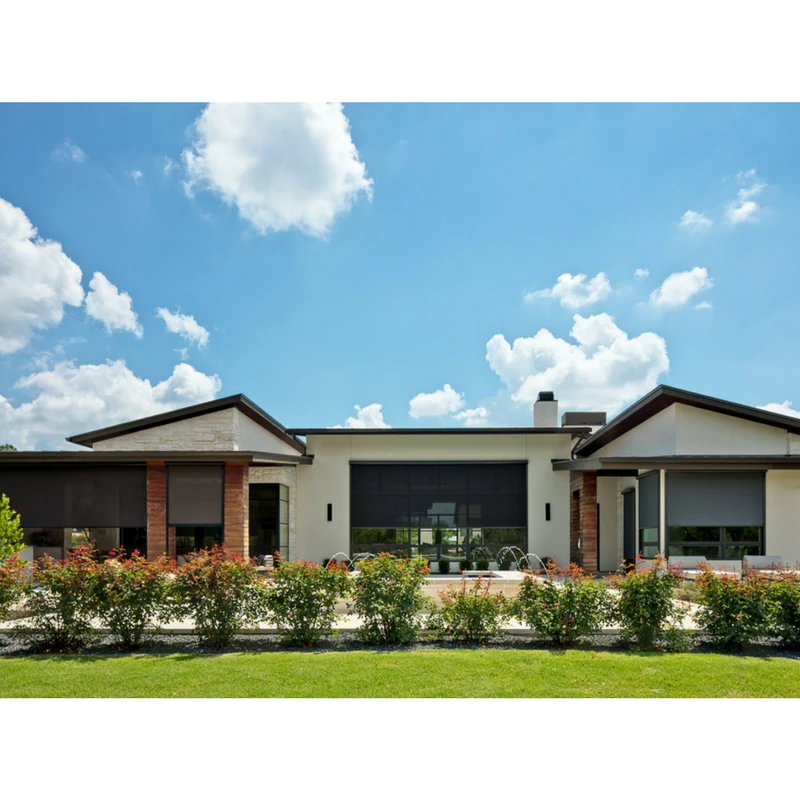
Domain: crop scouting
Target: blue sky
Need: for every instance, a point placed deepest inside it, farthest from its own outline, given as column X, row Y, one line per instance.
column 332, row 267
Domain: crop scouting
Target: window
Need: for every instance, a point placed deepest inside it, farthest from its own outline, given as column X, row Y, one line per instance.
column 648, row 542
column 716, row 543
column 189, row 538
column 269, row 519
column 649, row 512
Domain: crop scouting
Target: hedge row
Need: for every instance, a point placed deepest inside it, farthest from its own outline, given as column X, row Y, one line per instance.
column 132, row 598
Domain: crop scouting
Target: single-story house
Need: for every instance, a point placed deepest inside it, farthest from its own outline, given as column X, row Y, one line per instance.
column 677, row 472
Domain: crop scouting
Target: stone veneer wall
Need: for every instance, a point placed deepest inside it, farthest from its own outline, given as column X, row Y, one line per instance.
column 583, row 519
column 288, row 477
column 156, row 509
column 218, row 430
column 237, row 508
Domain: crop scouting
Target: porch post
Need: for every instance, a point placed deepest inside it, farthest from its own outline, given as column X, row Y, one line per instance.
column 236, row 530
column 156, row 509
column 583, row 520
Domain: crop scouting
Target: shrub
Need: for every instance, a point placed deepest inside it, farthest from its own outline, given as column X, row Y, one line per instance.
column 10, row 530
column 506, row 562
column 133, row 597
column 301, row 600
column 387, row 595
column 444, row 566
column 784, row 595
column 482, row 564
column 645, row 608
column 219, row 590
column 11, row 584
column 464, row 564
column 734, row 612
column 61, row 598
column 470, row 613
column 563, row 612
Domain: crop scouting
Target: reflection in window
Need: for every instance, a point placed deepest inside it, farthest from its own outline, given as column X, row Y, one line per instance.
column 57, row 542
column 716, row 543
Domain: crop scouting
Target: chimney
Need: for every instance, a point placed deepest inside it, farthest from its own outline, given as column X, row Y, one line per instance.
column 545, row 411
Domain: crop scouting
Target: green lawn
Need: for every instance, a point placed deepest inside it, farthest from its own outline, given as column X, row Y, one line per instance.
column 431, row 673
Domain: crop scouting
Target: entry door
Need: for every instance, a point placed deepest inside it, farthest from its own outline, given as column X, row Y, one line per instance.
column 629, row 524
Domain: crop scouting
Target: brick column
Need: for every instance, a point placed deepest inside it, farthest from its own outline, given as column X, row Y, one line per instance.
column 156, row 509
column 237, row 508
column 583, row 520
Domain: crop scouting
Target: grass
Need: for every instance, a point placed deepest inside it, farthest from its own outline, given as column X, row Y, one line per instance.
column 421, row 673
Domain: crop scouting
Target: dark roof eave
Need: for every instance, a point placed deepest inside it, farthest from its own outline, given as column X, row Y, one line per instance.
column 124, row 456
column 574, row 432
column 601, row 463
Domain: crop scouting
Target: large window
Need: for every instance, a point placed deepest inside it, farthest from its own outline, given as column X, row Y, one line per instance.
column 269, row 519
column 649, row 514
column 57, row 542
column 715, row 515
column 190, row 538
column 436, row 510
column 194, row 506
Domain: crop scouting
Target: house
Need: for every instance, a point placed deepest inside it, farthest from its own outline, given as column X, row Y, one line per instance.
column 676, row 472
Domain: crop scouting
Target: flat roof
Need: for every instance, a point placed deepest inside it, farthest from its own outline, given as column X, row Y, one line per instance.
column 573, row 432
column 240, row 401
column 664, row 396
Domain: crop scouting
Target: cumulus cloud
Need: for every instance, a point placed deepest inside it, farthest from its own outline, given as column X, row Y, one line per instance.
column 781, row 408
column 282, row 165
column 68, row 151
column 436, row 404
column 186, row 326
column 70, row 399
column 370, row 416
column 109, row 305
column 575, row 291
column 695, row 222
column 136, row 175
column 703, row 306
column 473, row 417
column 744, row 208
column 680, row 287
column 641, row 273
column 603, row 370
column 37, row 280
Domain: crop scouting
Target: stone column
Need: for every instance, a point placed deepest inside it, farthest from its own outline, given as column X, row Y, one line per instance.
column 156, row 509
column 236, row 530
column 583, row 520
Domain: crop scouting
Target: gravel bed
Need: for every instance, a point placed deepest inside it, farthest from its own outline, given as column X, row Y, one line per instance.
column 167, row 644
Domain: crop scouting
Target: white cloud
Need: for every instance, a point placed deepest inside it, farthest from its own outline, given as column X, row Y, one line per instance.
column 37, row 280
column 68, row 151
column 641, row 273
column 186, row 326
column 109, row 305
column 370, row 416
column 136, row 175
column 436, row 404
column 169, row 165
column 695, row 221
column 604, row 371
column 703, row 305
column 71, row 399
column 473, row 417
column 781, row 408
column 283, row 165
column 744, row 208
column 574, row 291
column 680, row 287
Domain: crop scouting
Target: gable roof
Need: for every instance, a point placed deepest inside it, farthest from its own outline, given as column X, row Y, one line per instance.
column 240, row 401
column 664, row 396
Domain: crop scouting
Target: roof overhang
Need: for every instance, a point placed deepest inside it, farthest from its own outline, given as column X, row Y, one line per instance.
column 239, row 401
column 605, row 465
column 664, row 396
column 151, row 456
column 572, row 432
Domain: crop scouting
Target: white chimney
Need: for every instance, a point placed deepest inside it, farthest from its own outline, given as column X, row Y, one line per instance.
column 545, row 411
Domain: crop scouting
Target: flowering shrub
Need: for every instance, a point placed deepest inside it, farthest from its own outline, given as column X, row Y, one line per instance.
column 734, row 612
column 784, row 594
column 11, row 584
column 387, row 595
column 470, row 613
column 133, row 597
column 645, row 609
column 219, row 590
column 562, row 612
column 302, row 597
column 61, row 598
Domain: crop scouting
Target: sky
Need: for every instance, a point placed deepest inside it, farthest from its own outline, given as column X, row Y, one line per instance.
column 369, row 265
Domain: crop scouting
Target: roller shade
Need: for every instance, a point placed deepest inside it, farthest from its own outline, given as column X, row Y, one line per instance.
column 649, row 494
column 77, row 496
column 195, row 495
column 715, row 498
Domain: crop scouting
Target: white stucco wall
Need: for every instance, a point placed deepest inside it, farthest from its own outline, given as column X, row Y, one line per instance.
column 701, row 432
column 782, row 529
column 654, row 437
column 217, row 430
column 328, row 481
column 253, row 437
